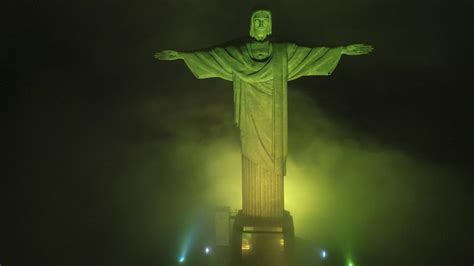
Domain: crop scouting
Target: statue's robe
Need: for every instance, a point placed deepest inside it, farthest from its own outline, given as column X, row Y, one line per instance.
column 260, row 104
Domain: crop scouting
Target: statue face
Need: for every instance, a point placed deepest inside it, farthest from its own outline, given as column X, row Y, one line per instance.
column 261, row 24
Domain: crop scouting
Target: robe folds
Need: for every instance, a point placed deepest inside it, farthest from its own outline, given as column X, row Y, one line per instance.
column 260, row 109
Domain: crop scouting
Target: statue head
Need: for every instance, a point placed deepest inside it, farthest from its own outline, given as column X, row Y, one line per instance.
column 261, row 24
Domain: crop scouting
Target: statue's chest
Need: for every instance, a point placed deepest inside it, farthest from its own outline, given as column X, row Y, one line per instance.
column 260, row 51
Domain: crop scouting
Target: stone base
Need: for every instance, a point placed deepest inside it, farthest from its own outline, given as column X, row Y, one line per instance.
column 262, row 241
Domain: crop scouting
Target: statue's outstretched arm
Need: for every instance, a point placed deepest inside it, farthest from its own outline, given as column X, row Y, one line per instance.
column 214, row 63
column 168, row 55
column 357, row 49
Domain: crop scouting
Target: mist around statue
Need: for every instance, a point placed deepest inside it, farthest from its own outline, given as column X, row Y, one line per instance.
column 116, row 158
column 262, row 231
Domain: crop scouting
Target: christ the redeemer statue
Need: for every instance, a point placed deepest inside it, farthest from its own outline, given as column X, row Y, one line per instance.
column 260, row 71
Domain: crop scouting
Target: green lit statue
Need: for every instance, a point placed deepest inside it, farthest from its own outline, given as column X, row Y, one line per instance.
column 260, row 71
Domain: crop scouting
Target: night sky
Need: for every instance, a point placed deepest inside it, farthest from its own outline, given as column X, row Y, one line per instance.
column 112, row 156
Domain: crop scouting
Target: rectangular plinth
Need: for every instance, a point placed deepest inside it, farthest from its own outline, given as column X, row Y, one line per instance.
column 262, row 241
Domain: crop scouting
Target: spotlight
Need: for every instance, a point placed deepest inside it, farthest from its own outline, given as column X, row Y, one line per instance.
column 181, row 259
column 207, row 250
column 323, row 254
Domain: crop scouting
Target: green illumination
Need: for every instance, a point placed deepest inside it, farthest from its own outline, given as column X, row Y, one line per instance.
column 259, row 71
column 260, row 24
column 340, row 184
column 350, row 263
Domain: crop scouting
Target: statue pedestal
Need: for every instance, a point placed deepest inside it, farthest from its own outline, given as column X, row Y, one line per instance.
column 262, row 241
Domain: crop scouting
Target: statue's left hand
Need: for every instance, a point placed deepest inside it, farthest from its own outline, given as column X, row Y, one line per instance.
column 357, row 49
column 168, row 55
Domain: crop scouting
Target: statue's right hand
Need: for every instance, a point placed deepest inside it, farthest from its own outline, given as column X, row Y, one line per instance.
column 167, row 55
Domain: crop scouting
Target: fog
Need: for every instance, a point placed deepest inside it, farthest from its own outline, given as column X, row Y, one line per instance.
column 116, row 158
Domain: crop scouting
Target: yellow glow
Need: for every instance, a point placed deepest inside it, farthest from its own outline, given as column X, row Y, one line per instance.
column 282, row 242
column 245, row 244
column 275, row 229
column 222, row 169
column 304, row 195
